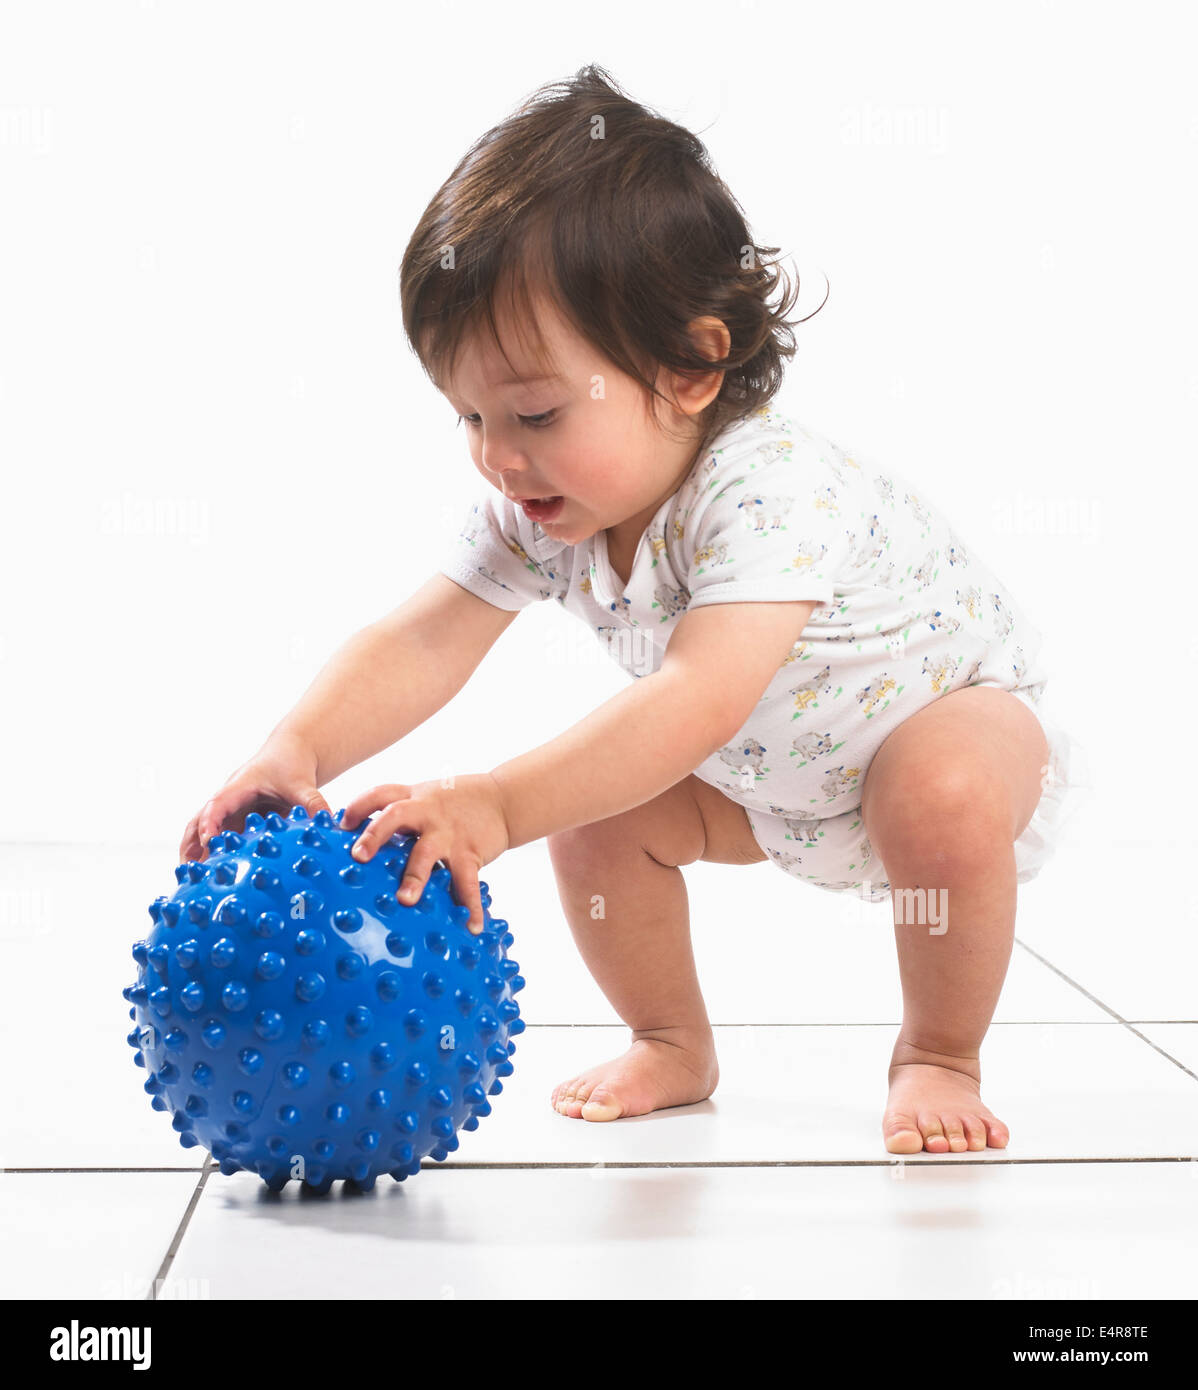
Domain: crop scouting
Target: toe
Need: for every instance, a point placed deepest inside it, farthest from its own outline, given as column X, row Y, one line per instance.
column 574, row 1098
column 997, row 1134
column 954, row 1132
column 561, row 1095
column 975, row 1131
column 574, row 1095
column 600, row 1104
column 933, row 1134
column 901, row 1133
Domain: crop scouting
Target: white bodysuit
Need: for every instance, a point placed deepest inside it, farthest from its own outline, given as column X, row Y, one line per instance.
column 907, row 613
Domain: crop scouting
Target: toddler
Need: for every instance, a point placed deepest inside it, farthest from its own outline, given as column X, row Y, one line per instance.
column 825, row 674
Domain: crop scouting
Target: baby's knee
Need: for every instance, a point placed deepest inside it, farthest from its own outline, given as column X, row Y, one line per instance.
column 668, row 829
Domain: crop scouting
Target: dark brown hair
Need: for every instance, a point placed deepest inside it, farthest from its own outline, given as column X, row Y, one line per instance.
column 618, row 216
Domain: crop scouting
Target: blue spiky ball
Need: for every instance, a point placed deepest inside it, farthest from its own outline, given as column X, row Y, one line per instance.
column 298, row 1021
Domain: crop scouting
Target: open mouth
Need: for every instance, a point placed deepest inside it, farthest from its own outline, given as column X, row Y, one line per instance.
column 543, row 508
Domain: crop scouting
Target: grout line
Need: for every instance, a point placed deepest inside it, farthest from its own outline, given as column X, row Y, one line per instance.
column 996, row 1023
column 101, row 1170
column 1168, row 1056
column 1162, row 1020
column 923, row 1161
column 931, row 1159
column 173, row 1250
column 498, row 1165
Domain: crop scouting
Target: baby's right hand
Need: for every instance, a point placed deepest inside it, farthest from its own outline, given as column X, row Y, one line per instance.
column 281, row 775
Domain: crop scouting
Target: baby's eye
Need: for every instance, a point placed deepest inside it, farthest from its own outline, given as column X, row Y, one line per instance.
column 534, row 422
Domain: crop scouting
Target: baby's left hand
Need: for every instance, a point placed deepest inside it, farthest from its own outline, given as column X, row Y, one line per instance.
column 463, row 824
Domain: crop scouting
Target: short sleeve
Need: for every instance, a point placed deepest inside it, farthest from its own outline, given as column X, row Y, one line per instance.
column 777, row 525
column 491, row 555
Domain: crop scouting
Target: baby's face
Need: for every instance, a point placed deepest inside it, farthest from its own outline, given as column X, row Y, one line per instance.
column 584, row 434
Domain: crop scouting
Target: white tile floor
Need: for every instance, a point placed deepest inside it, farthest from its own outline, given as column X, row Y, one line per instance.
column 1092, row 1061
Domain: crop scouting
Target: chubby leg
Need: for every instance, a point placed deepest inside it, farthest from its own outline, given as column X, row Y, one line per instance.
column 945, row 798
column 623, row 893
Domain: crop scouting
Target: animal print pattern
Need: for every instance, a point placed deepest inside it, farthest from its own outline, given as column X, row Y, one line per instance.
column 907, row 611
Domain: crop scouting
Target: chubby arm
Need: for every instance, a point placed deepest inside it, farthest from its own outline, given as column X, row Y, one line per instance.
column 718, row 663
column 390, row 677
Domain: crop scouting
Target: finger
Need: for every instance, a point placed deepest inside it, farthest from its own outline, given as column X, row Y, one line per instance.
column 189, row 845
column 421, row 862
column 392, row 817
column 312, row 801
column 211, row 819
column 362, row 806
column 221, row 807
column 465, row 881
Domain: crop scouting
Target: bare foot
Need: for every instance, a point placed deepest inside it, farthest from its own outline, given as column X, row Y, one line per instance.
column 939, row 1108
column 674, row 1066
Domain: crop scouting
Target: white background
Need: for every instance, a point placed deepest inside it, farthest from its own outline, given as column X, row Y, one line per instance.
column 220, row 457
